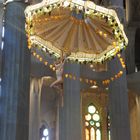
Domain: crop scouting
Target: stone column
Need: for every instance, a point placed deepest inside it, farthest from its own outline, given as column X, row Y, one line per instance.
column 14, row 105
column 118, row 105
column 130, row 51
column 34, row 117
column 70, row 114
column 118, row 96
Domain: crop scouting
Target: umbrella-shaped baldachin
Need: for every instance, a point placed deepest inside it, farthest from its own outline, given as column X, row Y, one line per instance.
column 80, row 28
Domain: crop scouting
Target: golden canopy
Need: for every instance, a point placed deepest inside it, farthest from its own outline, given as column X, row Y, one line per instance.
column 87, row 31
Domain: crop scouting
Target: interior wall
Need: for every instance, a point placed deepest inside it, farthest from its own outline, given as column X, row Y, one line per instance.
column 134, row 108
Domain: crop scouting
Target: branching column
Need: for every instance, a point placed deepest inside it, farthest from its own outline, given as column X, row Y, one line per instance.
column 70, row 115
column 14, row 103
column 34, row 121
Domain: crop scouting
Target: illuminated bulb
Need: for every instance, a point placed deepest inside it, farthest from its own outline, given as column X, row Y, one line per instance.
column 40, row 59
column 101, row 33
column 121, row 72
column 37, row 56
column 66, row 75
column 123, row 66
column 122, row 62
column 117, row 49
column 114, row 43
column 121, row 59
column 34, row 53
column 105, row 35
column 91, row 66
column 46, row 63
column 119, row 55
column 51, row 66
column 29, row 46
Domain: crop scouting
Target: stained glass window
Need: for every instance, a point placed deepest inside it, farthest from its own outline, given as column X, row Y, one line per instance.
column 44, row 133
column 92, row 124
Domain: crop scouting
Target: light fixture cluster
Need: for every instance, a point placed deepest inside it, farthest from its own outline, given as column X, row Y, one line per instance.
column 106, row 82
column 91, row 82
column 89, row 9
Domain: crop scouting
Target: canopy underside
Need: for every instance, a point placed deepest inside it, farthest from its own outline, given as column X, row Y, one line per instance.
column 88, row 38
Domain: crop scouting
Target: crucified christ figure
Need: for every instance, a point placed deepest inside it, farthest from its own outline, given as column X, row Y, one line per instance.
column 59, row 66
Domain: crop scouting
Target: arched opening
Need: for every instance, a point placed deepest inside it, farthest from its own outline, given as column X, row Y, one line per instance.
column 44, row 132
